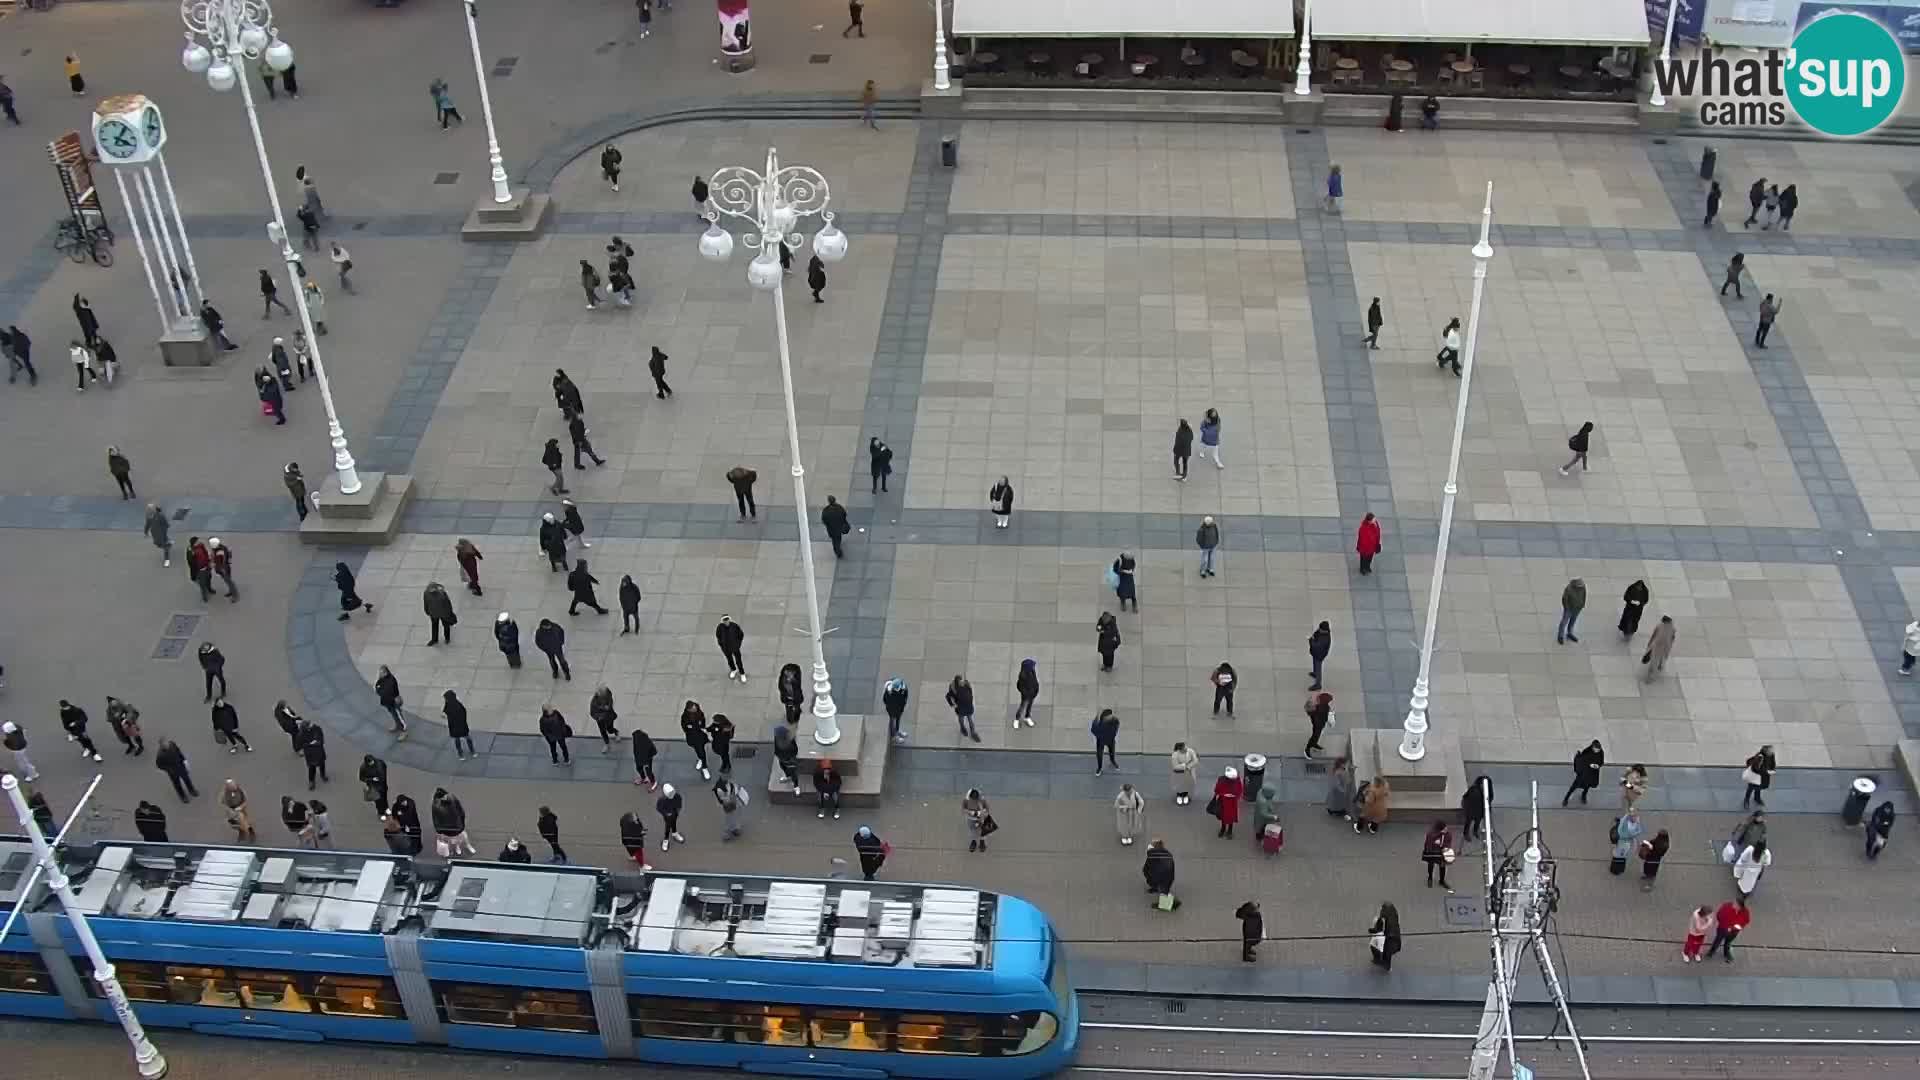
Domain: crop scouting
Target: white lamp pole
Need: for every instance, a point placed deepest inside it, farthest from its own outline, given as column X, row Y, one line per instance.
column 145, row 1055
column 941, row 79
column 1413, row 744
column 1666, row 54
column 773, row 202
column 500, row 192
column 1303, row 75
column 235, row 32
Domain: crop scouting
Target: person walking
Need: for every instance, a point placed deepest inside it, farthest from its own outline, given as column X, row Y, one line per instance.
column 1757, row 196
column 566, row 396
column 893, row 698
column 6, row 103
column 313, row 750
column 373, row 783
column 1182, row 449
column 226, row 727
column 1106, row 639
column 213, row 667
column 157, row 529
column 388, row 688
column 1659, row 647
column 1573, row 600
column 1747, row 868
column 443, row 103
column 590, row 284
column 869, row 98
column 700, row 192
column 1182, row 764
column 577, row 432
column 1340, row 794
column 1713, row 206
column 1587, row 763
column 552, row 459
column 693, row 728
column 644, row 751
column 349, row 596
column 1449, row 354
column 600, row 709
column 960, row 697
column 1000, row 498
column 1129, row 814
column 786, row 756
column 1634, row 604
column 220, row 560
column 553, row 542
column 1735, row 266
column 289, row 722
column 82, row 365
column 1225, row 804
column 556, row 731
column 109, row 360
column 121, row 470
column 75, row 80
column 270, row 296
column 629, row 597
column 826, row 789
column 551, row 641
column 342, row 265
column 296, row 484
column 610, row 165
column 1027, row 685
column 1253, row 929
column 1336, row 189
column 833, row 518
column 872, row 851
column 657, row 367
column 581, row 582
column 1123, row 583
column 1473, row 809
column 73, row 720
column 19, row 351
column 14, row 738
column 1769, row 311
column 1758, row 776
column 233, row 802
column 548, row 826
column 792, row 694
column 1633, row 786
column 1437, row 852
column 1578, row 443
column 1770, row 207
column 1207, row 538
column 879, row 463
column 1624, row 835
column 1728, row 922
column 816, row 277
column 1319, row 710
column 1210, row 438
column 730, row 636
column 1789, row 204
column 169, row 759
column 439, row 608
column 1383, row 937
column 645, row 9
column 209, row 317
column 854, row 10
column 1375, row 321
column 1879, row 829
column 298, row 819
column 1366, row 542
column 1319, row 644
column 1652, row 853
column 450, row 825
column 200, row 567
column 720, row 733
column 1223, row 686
column 1106, row 737
column 468, row 557
column 668, row 806
column 506, row 637
column 1699, row 924
column 730, row 797
column 124, row 720
column 742, row 479
column 271, row 396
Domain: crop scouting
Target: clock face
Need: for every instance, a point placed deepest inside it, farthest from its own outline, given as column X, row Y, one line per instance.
column 150, row 124
column 117, row 139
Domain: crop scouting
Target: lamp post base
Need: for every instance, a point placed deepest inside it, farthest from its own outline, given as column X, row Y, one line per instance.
column 187, row 347
column 368, row 516
column 1302, row 110
column 1435, row 782
column 860, row 757
column 522, row 217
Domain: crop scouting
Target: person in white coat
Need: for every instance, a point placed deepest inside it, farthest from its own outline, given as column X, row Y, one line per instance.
column 1182, row 762
column 1753, row 862
column 1910, row 648
column 1129, row 814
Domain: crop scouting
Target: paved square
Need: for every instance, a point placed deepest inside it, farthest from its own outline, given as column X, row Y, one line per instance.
column 1123, row 168
column 1845, row 188
column 1632, row 340
column 1066, row 365
column 1764, row 653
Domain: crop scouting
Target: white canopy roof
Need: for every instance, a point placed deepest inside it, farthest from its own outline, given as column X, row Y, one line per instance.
column 1544, row 22
column 1131, row 18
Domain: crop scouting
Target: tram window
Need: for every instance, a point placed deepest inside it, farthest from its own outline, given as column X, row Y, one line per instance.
column 555, row 1010
column 508, row 1006
column 356, row 995
column 271, row 990
column 683, row 1018
column 773, row 1025
column 140, row 981
column 464, row 1003
column 940, row 1033
column 23, row 973
column 210, row 986
column 850, row 1029
column 1040, row 1028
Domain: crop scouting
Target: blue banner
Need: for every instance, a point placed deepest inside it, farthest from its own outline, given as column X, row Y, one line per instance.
column 1687, row 21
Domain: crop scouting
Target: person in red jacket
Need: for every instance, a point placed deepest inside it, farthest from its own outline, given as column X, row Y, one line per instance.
column 1732, row 918
column 1368, row 542
column 1226, row 799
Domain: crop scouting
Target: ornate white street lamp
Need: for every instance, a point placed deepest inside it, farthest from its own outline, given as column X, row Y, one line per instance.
column 1303, row 74
column 772, row 203
column 1666, row 55
column 1413, row 742
column 500, row 192
column 234, row 32
column 941, row 74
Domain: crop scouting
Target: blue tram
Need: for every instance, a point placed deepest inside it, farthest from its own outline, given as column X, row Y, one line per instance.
column 803, row 977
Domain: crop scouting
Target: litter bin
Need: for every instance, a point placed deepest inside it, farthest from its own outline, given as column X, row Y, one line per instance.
column 1256, row 774
column 1707, row 159
column 1858, row 796
column 950, row 151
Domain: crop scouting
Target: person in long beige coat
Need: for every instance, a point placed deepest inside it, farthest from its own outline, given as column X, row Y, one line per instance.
column 1659, row 647
column 1181, row 763
column 1129, row 814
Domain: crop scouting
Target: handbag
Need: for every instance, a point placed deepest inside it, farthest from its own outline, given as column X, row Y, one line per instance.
column 1729, row 853
column 366, row 793
column 441, row 847
column 741, row 794
column 1447, row 855
column 1378, row 942
column 220, row 737
column 1213, row 806
column 1113, row 578
column 988, row 826
column 1752, row 777
column 1166, row 902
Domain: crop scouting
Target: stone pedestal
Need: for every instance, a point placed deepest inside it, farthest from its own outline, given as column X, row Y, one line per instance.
column 860, row 756
column 1435, row 782
column 934, row 103
column 737, row 63
column 1302, row 111
column 521, row 218
column 187, row 346
column 1663, row 120
column 368, row 516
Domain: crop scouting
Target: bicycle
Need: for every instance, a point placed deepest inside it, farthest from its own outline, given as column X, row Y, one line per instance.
column 78, row 246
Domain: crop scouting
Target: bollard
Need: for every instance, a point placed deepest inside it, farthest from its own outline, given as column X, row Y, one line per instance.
column 1708, row 157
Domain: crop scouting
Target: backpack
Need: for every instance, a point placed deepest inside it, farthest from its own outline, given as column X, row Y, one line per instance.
column 1613, row 833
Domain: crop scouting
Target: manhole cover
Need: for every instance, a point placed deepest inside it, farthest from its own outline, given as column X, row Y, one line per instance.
column 445, row 178
column 1463, row 910
column 819, row 58
column 746, row 752
column 507, row 62
column 181, row 625
column 170, row 648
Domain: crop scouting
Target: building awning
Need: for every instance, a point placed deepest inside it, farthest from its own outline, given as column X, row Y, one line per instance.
column 1472, row 22
column 1125, row 18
